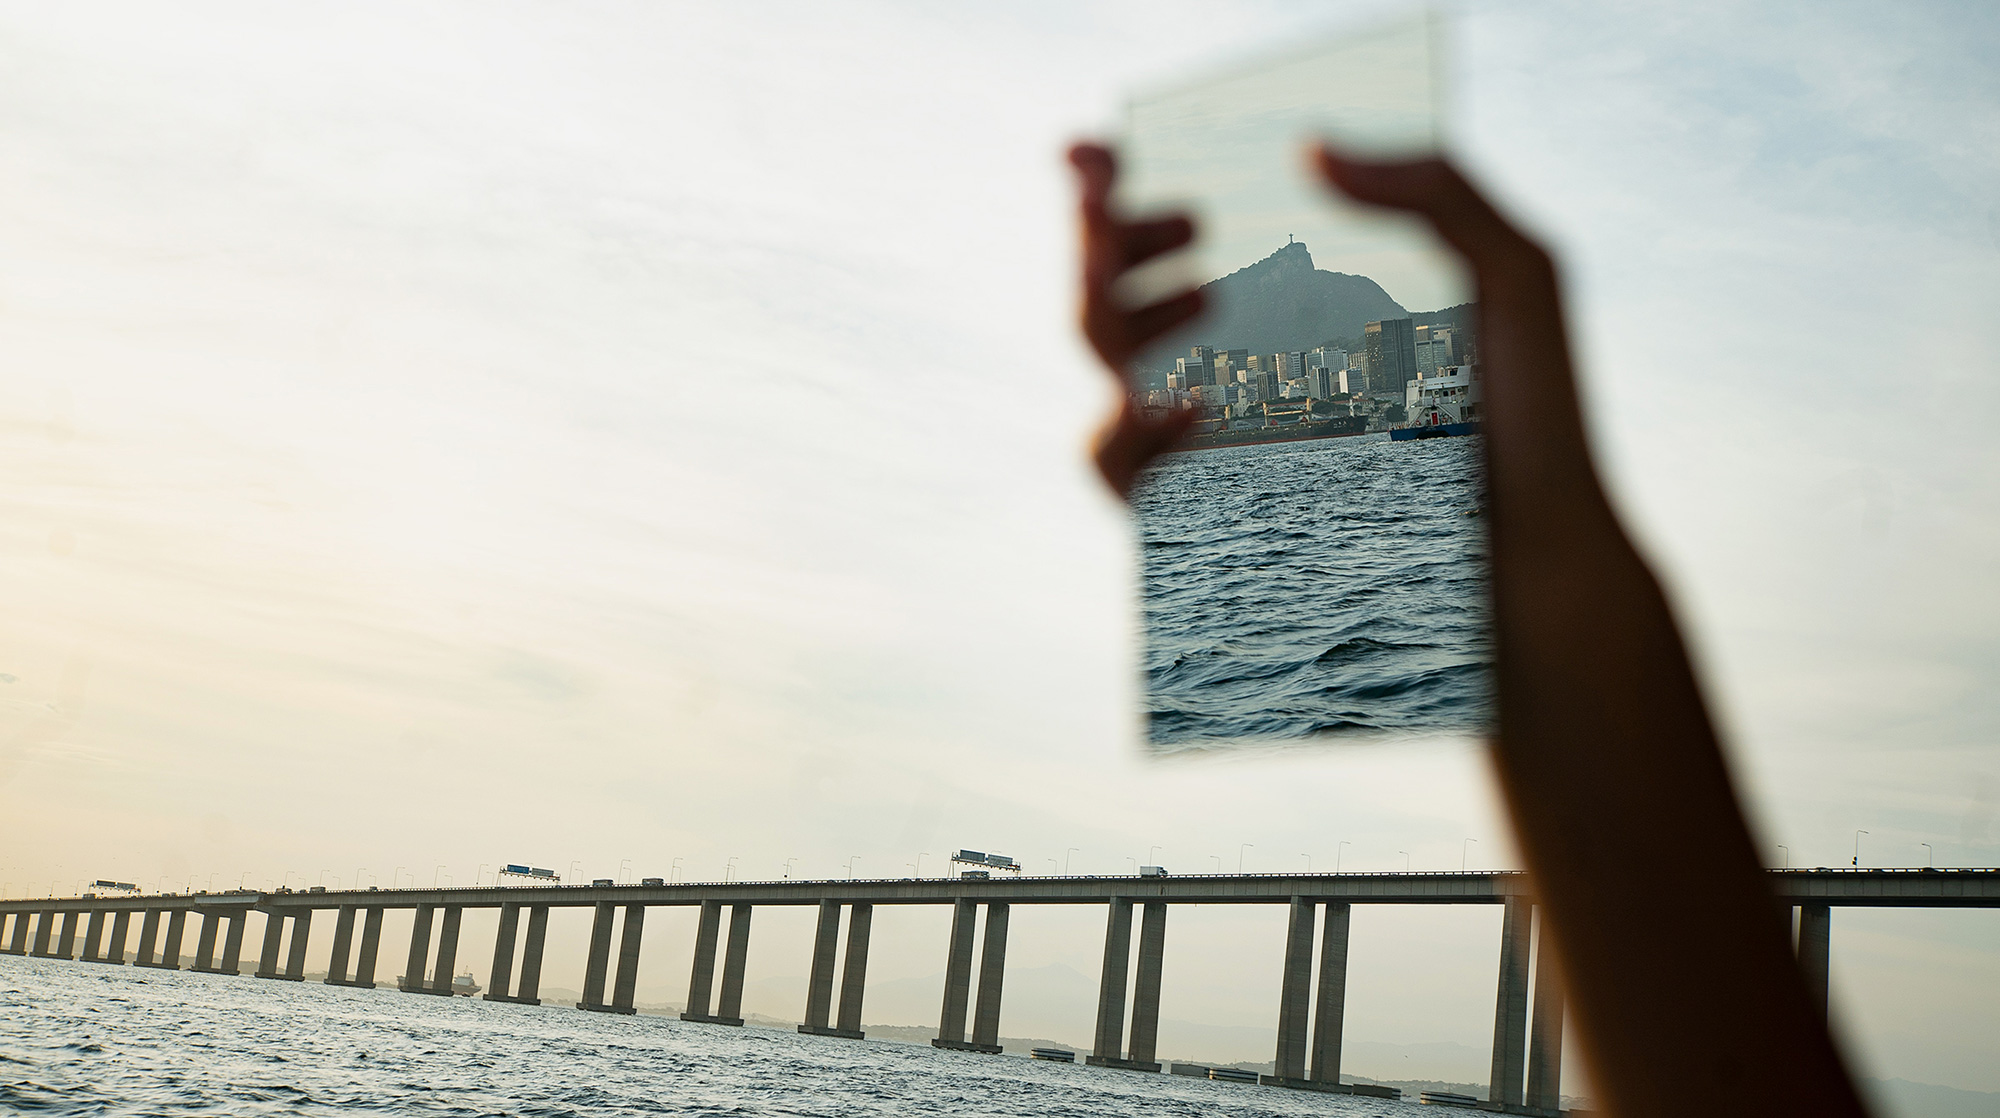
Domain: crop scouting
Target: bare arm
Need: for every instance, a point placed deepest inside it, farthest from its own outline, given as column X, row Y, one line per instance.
column 1675, row 952
column 1678, row 958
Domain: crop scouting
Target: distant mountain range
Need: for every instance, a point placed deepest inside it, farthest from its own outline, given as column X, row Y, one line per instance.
column 1283, row 303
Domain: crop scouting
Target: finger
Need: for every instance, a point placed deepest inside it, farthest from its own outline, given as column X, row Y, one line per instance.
column 1433, row 189
column 1096, row 170
column 1147, row 323
column 1131, row 442
column 1140, row 241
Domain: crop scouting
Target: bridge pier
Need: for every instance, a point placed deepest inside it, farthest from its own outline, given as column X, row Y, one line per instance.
column 1108, row 1049
column 500, row 976
column 1510, row 1012
column 819, row 987
column 528, row 989
column 295, row 963
column 729, row 1005
column 625, row 987
column 854, row 976
column 343, row 946
column 729, row 1011
column 701, row 981
column 626, row 982
column 412, row 981
column 1141, row 1051
column 371, row 944
column 1816, row 950
column 446, row 967
column 149, row 940
column 1295, row 991
column 1330, row 1012
column 274, row 940
column 93, row 937
column 992, row 980
column 17, row 942
column 121, row 934
column 232, row 944
column 170, row 954
column 599, row 960
column 958, row 987
column 1311, row 1062
column 958, row 974
column 66, row 942
column 204, row 944
column 45, row 925
column 1546, row 1032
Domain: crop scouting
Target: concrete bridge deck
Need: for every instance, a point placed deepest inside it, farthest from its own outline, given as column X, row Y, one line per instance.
column 1866, row 888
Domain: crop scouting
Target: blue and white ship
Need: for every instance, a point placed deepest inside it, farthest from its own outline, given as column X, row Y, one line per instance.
column 1440, row 404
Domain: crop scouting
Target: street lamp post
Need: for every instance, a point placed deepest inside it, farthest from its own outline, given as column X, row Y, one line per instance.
column 788, row 866
column 1153, row 857
column 396, row 879
column 921, row 854
column 1464, row 852
column 851, row 859
column 1309, row 862
column 1239, row 856
column 1788, row 854
column 674, row 870
column 728, row 868
column 1218, row 862
column 1930, row 856
column 1336, row 854
column 624, row 864
column 1066, row 854
column 1406, row 860
column 1857, row 848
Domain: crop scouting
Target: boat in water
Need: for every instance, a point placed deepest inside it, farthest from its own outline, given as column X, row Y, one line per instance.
column 1263, row 434
column 463, row 986
column 1440, row 405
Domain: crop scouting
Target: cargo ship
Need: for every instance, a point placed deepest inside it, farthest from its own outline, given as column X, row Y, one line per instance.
column 1339, row 426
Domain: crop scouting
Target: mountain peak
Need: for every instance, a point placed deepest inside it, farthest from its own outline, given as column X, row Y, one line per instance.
column 1280, row 303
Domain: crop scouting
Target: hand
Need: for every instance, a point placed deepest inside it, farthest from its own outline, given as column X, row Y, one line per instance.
column 1128, row 440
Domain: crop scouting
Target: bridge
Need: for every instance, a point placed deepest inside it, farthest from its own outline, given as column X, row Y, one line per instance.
column 1527, row 1049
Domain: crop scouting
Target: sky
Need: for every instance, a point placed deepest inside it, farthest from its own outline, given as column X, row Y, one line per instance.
column 646, row 440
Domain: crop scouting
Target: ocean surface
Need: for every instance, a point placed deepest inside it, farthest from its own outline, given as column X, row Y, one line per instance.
column 1325, row 587
column 82, row 1038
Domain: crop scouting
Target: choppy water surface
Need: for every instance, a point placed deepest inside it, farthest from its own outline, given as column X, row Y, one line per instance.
column 1336, row 586
column 77, row 1038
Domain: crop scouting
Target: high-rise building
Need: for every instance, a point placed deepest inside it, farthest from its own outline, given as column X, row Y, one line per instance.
column 1392, row 356
column 1199, row 365
column 1327, row 357
column 1322, row 382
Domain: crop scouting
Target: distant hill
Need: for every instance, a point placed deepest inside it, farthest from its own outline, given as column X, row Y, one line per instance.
column 1279, row 303
column 1283, row 303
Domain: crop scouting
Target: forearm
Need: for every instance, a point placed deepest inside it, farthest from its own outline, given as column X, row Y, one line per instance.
column 1676, row 952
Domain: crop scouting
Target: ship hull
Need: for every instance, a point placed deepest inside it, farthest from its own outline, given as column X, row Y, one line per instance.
column 1340, row 428
column 1435, row 431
